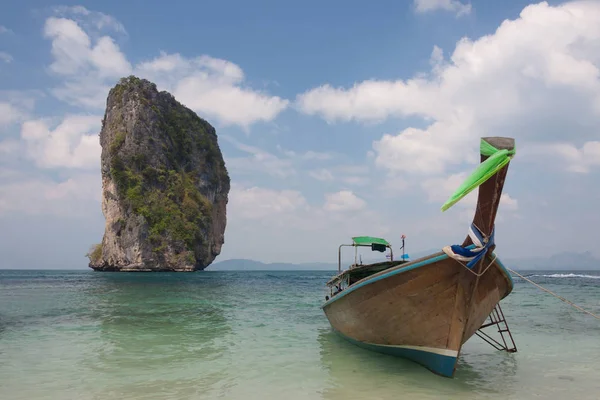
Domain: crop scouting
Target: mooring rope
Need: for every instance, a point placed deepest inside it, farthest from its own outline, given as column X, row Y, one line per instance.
column 555, row 295
column 473, row 272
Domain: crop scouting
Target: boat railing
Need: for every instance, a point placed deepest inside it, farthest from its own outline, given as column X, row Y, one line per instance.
column 373, row 246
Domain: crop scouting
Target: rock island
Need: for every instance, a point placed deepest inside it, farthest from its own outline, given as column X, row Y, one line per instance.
column 164, row 184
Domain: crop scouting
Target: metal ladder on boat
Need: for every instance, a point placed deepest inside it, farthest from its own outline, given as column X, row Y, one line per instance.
column 497, row 318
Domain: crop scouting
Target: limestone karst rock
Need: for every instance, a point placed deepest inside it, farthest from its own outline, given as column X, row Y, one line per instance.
column 164, row 181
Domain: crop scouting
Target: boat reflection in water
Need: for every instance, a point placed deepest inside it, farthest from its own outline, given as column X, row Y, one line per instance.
column 357, row 374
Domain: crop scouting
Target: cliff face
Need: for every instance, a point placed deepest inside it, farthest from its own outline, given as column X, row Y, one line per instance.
column 165, row 185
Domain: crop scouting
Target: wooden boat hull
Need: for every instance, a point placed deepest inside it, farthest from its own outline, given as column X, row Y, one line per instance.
column 424, row 310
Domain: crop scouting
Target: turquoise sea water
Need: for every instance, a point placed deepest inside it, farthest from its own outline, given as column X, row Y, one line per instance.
column 261, row 335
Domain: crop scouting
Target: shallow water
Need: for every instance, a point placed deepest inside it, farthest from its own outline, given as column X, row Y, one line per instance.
column 261, row 335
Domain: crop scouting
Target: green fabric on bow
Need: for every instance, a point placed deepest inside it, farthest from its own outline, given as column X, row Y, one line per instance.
column 496, row 161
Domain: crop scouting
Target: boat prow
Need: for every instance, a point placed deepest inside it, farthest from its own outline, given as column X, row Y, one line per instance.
column 425, row 310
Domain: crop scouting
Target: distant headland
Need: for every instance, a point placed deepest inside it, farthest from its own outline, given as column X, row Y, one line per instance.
column 560, row 262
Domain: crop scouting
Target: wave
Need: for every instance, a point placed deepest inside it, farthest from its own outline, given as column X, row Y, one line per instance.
column 570, row 276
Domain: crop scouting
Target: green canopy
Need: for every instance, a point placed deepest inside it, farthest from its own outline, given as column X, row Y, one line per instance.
column 368, row 240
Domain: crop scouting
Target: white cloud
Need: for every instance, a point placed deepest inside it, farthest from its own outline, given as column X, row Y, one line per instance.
column 5, row 57
column 356, row 180
column 9, row 114
column 353, row 175
column 439, row 189
column 72, row 144
column 284, row 221
column 16, row 106
column 367, row 101
column 423, row 6
column 421, row 151
column 309, row 155
column 91, row 64
column 9, row 147
column 213, row 87
column 4, row 29
column 89, row 18
column 37, row 195
column 343, row 201
column 508, row 203
column 257, row 203
column 536, row 77
column 394, row 186
column 322, row 174
column 22, row 99
column 315, row 155
column 352, row 169
column 259, row 161
column 85, row 92
column 579, row 160
column 75, row 54
column 88, row 66
column 11, row 154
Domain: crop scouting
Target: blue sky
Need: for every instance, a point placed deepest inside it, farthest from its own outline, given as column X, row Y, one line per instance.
column 336, row 119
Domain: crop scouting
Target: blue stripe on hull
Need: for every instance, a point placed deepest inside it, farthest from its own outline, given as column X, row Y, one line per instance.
column 409, row 267
column 438, row 363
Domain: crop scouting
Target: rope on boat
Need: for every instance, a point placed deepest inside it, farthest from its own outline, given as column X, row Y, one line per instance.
column 473, row 272
column 554, row 294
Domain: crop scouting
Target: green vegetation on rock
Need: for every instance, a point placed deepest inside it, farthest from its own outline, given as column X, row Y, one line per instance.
column 179, row 124
column 168, row 198
column 164, row 181
column 117, row 142
column 172, row 205
column 95, row 253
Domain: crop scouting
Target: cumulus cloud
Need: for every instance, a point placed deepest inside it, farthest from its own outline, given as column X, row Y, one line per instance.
column 285, row 164
column 258, row 161
column 258, row 203
column 72, row 144
column 322, row 174
column 261, row 161
column 91, row 63
column 534, row 78
column 88, row 66
column 354, row 175
column 9, row 114
column 90, row 19
column 309, row 155
column 422, row 151
column 74, row 52
column 508, row 203
column 9, row 147
column 343, row 201
column 213, row 87
column 22, row 99
column 315, row 155
column 423, row 6
column 578, row 159
column 35, row 195
column 257, row 212
column 16, row 106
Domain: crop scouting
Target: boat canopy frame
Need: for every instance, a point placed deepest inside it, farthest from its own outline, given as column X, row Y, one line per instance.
column 375, row 243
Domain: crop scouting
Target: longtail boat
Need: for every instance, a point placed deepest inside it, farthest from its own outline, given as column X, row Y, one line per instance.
column 426, row 309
